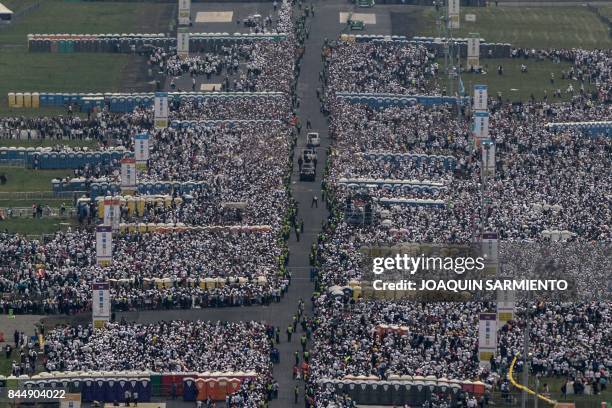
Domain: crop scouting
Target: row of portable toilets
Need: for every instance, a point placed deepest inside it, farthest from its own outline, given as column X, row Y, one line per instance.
column 121, row 102
column 413, row 392
column 45, row 158
column 111, row 386
column 595, row 128
column 399, row 188
column 123, row 43
column 135, row 205
column 448, row 162
column 96, row 188
column 228, row 123
column 434, row 44
column 385, row 100
column 128, row 43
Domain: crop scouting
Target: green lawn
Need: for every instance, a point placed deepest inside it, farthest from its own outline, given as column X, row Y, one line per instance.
column 606, row 10
column 20, row 179
column 32, row 226
column 5, row 365
column 540, row 27
column 517, row 86
column 81, row 72
column 47, row 143
column 78, row 17
column 554, row 385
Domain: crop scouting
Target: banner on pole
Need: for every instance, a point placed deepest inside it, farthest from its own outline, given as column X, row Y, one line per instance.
column 487, row 150
column 473, row 52
column 161, row 110
column 128, row 173
column 141, row 148
column 506, row 302
column 104, row 244
column 100, row 304
column 487, row 338
column 184, row 12
column 112, row 212
column 182, row 42
column 453, row 14
column 480, row 98
column 481, row 125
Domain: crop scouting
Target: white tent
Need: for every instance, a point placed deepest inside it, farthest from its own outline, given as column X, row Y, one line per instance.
column 6, row 15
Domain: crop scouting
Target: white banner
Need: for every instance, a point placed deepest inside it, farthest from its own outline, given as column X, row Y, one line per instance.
column 112, row 213
column 128, row 173
column 453, row 14
column 184, row 12
column 489, row 247
column 104, row 244
column 100, row 304
column 473, row 53
column 487, row 338
column 161, row 110
column 141, row 147
column 506, row 302
column 481, row 125
column 480, row 98
column 487, row 153
column 182, row 42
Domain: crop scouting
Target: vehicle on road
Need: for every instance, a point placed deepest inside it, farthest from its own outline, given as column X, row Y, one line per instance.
column 313, row 139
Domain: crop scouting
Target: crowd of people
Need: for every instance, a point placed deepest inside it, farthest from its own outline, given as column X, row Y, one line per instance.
column 240, row 147
column 547, row 183
column 173, row 346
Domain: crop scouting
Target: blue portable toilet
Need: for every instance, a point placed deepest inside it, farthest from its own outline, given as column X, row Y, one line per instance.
column 63, row 163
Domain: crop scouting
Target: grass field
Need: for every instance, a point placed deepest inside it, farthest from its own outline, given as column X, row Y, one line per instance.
column 517, row 86
column 555, row 383
column 34, row 226
column 539, row 27
column 24, row 71
column 20, row 179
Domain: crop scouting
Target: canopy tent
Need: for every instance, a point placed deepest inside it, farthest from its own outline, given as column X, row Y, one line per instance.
column 6, row 15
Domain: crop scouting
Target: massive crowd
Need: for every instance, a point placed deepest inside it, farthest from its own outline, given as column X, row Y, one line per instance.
column 174, row 346
column 546, row 183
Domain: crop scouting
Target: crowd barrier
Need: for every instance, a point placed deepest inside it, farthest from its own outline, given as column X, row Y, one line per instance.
column 449, row 162
column 590, row 128
column 110, row 386
column 138, row 43
column 434, row 44
column 122, row 102
column 383, row 100
column 161, row 228
column 401, row 390
column 411, row 202
column 45, row 158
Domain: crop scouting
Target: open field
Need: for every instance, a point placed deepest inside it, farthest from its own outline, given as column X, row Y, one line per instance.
column 20, row 179
column 517, row 86
column 539, row 27
column 24, row 71
column 34, row 226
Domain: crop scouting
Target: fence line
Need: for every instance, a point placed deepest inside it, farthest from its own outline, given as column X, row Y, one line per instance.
column 39, row 195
